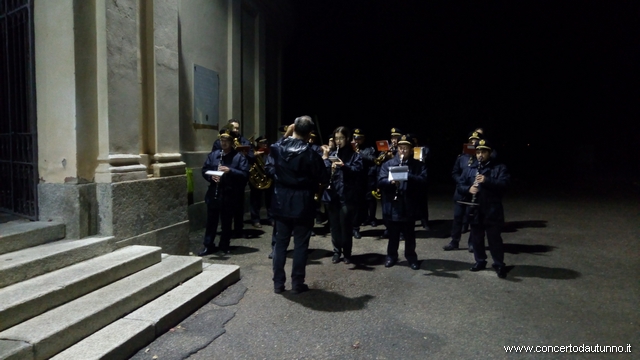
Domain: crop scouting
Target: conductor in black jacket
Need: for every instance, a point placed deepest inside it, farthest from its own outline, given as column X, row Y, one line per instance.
column 484, row 182
column 401, row 202
column 225, row 192
column 297, row 171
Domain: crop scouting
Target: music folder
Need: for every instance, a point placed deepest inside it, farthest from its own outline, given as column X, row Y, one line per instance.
column 214, row 172
column 382, row 145
column 398, row 173
column 469, row 149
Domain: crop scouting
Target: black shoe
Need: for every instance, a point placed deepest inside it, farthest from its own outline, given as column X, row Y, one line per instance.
column 278, row 289
column 226, row 251
column 237, row 234
column 401, row 237
column 450, row 246
column 385, row 235
column 470, row 248
column 313, row 233
column 501, row 270
column 480, row 265
column 257, row 225
column 374, row 223
column 271, row 255
column 390, row 262
column 356, row 234
column 335, row 259
column 415, row 265
column 207, row 251
column 298, row 289
column 347, row 260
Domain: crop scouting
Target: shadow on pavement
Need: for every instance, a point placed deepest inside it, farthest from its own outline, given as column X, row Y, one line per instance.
column 513, row 226
column 253, row 233
column 527, row 249
column 322, row 300
column 515, row 273
column 444, row 268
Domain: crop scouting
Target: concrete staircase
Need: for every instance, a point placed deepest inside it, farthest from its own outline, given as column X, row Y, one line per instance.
column 86, row 299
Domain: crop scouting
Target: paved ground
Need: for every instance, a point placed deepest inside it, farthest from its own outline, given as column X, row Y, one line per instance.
column 575, row 274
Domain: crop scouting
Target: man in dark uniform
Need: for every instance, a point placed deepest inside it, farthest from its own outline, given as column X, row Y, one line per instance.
column 390, row 154
column 484, row 183
column 225, row 193
column 238, row 216
column 366, row 209
column 256, row 194
column 297, row 170
column 460, row 219
column 423, row 153
column 400, row 202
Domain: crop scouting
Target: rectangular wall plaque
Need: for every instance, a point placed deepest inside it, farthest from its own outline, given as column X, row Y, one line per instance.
column 206, row 103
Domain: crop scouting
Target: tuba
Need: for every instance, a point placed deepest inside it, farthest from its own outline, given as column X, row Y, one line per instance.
column 258, row 176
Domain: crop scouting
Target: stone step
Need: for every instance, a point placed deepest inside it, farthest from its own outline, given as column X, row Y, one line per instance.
column 57, row 329
column 28, row 263
column 18, row 235
column 26, row 299
column 123, row 338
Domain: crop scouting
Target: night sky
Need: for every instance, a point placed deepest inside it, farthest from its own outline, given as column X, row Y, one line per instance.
column 555, row 84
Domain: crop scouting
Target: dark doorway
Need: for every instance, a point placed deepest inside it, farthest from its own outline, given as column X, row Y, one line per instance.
column 18, row 141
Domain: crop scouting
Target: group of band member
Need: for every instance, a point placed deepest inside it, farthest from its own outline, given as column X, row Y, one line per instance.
column 298, row 178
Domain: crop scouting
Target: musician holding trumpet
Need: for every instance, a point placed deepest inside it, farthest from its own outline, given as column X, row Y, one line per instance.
column 484, row 183
column 401, row 201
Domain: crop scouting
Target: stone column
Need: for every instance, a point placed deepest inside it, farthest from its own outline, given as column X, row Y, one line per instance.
column 162, row 87
column 119, row 91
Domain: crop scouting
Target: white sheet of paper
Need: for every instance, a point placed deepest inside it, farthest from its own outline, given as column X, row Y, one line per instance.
column 398, row 173
column 214, row 172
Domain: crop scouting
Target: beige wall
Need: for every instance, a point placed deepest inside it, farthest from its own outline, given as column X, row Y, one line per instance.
column 203, row 36
column 55, row 91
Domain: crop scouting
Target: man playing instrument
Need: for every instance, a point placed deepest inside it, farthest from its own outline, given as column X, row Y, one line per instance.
column 401, row 202
column 225, row 193
column 484, row 183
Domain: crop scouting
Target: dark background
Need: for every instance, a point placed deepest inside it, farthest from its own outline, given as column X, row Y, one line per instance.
column 555, row 84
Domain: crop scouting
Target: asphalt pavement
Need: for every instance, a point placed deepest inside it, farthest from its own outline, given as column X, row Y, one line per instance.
column 574, row 269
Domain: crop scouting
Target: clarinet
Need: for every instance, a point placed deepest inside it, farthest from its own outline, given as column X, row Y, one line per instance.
column 398, row 184
column 215, row 196
column 476, row 184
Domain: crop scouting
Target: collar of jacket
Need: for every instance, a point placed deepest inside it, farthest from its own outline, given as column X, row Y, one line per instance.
column 291, row 147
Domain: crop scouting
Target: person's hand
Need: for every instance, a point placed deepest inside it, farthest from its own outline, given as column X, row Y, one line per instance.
column 259, row 152
column 215, row 178
column 224, row 169
column 289, row 131
column 479, row 179
column 473, row 190
column 388, row 155
column 338, row 163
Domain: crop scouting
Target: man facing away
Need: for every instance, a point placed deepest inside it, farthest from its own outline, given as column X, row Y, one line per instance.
column 297, row 170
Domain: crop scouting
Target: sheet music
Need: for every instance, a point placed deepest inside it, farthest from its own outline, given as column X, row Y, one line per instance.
column 214, row 172
column 398, row 173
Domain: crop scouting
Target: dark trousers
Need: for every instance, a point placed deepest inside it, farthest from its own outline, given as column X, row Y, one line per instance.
column 341, row 222
column 215, row 214
column 496, row 247
column 365, row 212
column 460, row 219
column 301, row 231
column 238, row 217
column 424, row 207
column 407, row 228
column 255, row 201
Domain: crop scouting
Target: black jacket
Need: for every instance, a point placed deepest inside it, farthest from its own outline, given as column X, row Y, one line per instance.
column 232, row 184
column 407, row 205
column 346, row 183
column 462, row 163
column 297, row 171
column 489, row 198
